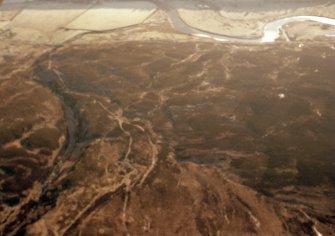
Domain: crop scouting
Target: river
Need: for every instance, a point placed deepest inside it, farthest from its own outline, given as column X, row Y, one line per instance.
column 271, row 32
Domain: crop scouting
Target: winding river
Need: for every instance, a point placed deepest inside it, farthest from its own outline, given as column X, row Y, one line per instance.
column 271, row 31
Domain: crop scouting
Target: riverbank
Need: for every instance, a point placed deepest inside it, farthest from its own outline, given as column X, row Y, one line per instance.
column 245, row 19
column 58, row 22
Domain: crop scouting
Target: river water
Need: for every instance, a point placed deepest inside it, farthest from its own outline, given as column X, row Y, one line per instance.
column 271, row 31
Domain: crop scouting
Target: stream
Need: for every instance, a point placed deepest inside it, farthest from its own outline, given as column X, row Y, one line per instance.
column 271, row 32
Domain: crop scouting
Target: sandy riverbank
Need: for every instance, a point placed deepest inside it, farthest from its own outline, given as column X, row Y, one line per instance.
column 245, row 19
column 57, row 22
